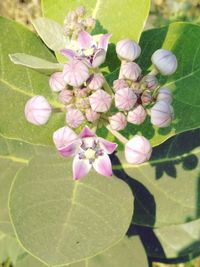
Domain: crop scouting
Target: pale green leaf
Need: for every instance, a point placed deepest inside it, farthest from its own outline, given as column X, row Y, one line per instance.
column 128, row 252
column 51, row 32
column 124, row 18
column 62, row 221
column 18, row 84
column 166, row 188
column 36, row 63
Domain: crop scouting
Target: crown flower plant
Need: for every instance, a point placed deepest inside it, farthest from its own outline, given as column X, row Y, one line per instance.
column 99, row 137
column 90, row 102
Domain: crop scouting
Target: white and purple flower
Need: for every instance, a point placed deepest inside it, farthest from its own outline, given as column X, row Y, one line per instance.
column 92, row 52
column 88, row 151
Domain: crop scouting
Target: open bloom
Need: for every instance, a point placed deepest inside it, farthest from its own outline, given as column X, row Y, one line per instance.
column 88, row 149
column 88, row 49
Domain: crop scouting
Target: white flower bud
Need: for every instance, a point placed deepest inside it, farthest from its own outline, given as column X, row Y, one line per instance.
column 164, row 61
column 164, row 94
column 118, row 121
column 137, row 115
column 56, row 82
column 128, row 50
column 66, row 96
column 162, row 114
column 96, row 81
column 131, row 71
column 80, row 11
column 150, row 82
column 138, row 150
column 119, row 84
column 37, row 110
column 74, row 118
column 146, row 98
column 125, row 99
column 92, row 115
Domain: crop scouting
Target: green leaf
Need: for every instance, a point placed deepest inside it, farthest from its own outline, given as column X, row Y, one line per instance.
column 61, row 221
column 51, row 32
column 124, row 18
column 171, row 242
column 166, row 189
column 9, row 249
column 128, row 252
column 183, row 40
column 18, row 84
column 36, row 63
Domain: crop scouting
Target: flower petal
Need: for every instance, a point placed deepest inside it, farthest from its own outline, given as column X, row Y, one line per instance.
column 84, row 40
column 103, row 42
column 106, row 145
column 86, row 132
column 103, row 165
column 64, row 137
column 99, row 58
column 81, row 167
column 69, row 150
column 70, row 54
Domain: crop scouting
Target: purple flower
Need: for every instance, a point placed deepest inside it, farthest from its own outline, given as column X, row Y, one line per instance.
column 88, row 149
column 93, row 53
column 75, row 73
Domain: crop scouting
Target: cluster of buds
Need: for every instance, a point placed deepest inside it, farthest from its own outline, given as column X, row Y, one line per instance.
column 87, row 99
column 77, row 21
column 137, row 96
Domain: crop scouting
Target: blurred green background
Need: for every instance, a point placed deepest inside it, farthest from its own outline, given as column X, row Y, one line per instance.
column 162, row 13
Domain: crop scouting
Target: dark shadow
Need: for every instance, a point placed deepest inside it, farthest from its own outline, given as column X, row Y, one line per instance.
column 144, row 203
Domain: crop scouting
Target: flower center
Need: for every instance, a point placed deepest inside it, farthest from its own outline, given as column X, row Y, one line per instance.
column 88, row 52
column 90, row 154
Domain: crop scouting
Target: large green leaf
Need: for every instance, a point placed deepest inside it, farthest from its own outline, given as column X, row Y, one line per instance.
column 124, row 18
column 166, row 188
column 62, row 221
column 18, row 84
column 172, row 242
column 183, row 40
column 128, row 252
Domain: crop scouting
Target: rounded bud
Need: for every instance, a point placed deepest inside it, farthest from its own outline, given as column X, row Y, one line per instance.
column 82, row 103
column 137, row 115
column 164, row 94
column 138, row 150
column 90, row 22
column 118, row 121
column 164, row 61
column 150, row 82
column 37, row 110
column 100, row 101
column 119, row 84
column 96, row 81
column 146, row 98
column 162, row 114
column 125, row 99
column 81, row 92
column 80, row 11
column 74, row 118
column 72, row 16
column 75, row 73
column 131, row 71
column 56, row 82
column 128, row 50
column 92, row 115
column 66, row 96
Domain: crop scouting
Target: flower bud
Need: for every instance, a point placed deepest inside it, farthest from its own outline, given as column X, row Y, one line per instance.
column 125, row 99
column 138, row 150
column 131, row 71
column 96, row 81
column 81, row 92
column 146, row 98
column 66, row 96
column 150, row 82
column 38, row 110
column 56, row 82
column 164, row 61
column 90, row 22
column 118, row 121
column 72, row 16
column 82, row 103
column 74, row 118
column 137, row 115
column 119, row 84
column 100, row 101
column 164, row 94
column 162, row 114
column 80, row 11
column 92, row 115
column 75, row 73
column 128, row 50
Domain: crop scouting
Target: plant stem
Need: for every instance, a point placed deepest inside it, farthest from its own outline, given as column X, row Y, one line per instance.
column 119, row 136
column 107, row 88
column 154, row 71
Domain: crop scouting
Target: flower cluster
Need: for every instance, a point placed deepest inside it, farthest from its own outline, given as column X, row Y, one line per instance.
column 87, row 98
